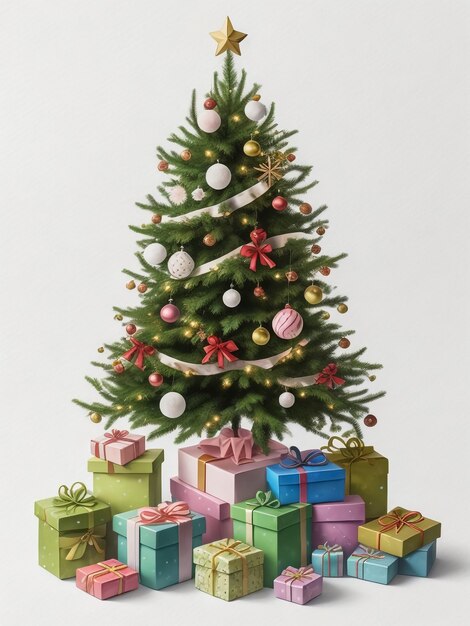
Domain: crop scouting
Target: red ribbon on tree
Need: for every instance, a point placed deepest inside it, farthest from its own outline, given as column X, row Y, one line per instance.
column 223, row 349
column 139, row 350
column 258, row 251
column 328, row 377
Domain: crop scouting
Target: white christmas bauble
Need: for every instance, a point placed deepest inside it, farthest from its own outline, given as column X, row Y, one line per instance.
column 209, row 121
column 255, row 111
column 218, row 176
column 287, row 399
column 231, row 298
column 180, row 264
column 178, row 195
column 154, row 253
column 172, row 404
column 198, row 194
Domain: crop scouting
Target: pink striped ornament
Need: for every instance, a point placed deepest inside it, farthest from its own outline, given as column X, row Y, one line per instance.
column 288, row 323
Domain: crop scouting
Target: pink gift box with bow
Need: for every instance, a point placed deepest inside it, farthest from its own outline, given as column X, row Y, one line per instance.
column 118, row 446
column 298, row 585
column 229, row 467
column 107, row 579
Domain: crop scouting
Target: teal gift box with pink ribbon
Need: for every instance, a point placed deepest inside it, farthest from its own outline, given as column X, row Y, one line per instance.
column 328, row 560
column 158, row 542
column 306, row 476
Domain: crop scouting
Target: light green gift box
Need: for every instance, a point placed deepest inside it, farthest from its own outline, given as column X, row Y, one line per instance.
column 127, row 487
column 72, row 530
column 228, row 569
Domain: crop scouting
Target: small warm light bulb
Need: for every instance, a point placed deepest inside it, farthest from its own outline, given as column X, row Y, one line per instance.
column 248, row 369
column 277, row 276
column 193, row 324
column 298, row 351
column 156, row 338
column 167, row 287
column 140, row 397
column 130, row 407
column 236, row 118
column 302, row 394
column 188, row 373
column 267, row 382
column 216, row 418
column 188, row 333
column 330, row 406
column 119, row 407
column 208, row 153
column 215, row 268
column 208, row 424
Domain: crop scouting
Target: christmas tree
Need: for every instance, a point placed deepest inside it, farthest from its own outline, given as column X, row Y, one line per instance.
column 232, row 319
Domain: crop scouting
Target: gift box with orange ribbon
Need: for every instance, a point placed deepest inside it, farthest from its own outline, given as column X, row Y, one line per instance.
column 366, row 472
column 283, row 533
column 127, row 487
column 72, row 530
column 372, row 565
column 298, row 585
column 228, row 569
column 118, row 446
column 107, row 579
column 158, row 542
column 399, row 532
column 230, row 466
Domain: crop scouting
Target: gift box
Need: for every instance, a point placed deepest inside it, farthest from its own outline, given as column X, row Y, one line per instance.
column 306, row 477
column 228, row 467
column 419, row 562
column 328, row 560
column 118, row 446
column 217, row 512
column 298, row 585
column 72, row 530
column 228, row 569
column 366, row 472
column 107, row 579
column 282, row 532
column 337, row 523
column 372, row 565
column 158, row 542
column 127, row 487
column 399, row 532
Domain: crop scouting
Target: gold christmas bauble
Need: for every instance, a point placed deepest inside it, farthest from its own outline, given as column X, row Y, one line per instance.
column 325, row 315
column 96, row 418
column 209, row 240
column 252, row 148
column 372, row 377
column 313, row 294
column 101, row 349
column 260, row 336
column 256, row 97
column 130, row 284
column 186, row 155
column 342, row 308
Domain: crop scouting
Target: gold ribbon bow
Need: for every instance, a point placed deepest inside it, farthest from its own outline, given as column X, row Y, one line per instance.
column 352, row 450
column 236, row 547
column 362, row 557
column 105, row 569
column 78, row 544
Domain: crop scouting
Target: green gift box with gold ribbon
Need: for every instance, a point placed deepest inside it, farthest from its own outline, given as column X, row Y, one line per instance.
column 72, row 530
column 228, row 569
column 127, row 487
column 283, row 533
column 366, row 472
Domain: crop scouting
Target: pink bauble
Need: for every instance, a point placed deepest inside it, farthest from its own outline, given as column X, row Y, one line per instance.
column 155, row 379
column 279, row 203
column 288, row 324
column 169, row 313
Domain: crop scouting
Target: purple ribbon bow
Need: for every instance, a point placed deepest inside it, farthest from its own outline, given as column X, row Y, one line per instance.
column 295, row 459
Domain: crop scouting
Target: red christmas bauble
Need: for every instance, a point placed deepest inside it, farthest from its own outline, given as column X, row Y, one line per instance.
column 155, row 379
column 321, row 230
column 370, row 420
column 316, row 249
column 210, row 103
column 325, row 271
column 119, row 368
column 259, row 292
column 169, row 313
column 279, row 203
column 156, row 218
column 291, row 157
column 130, row 329
column 162, row 166
column 344, row 343
column 142, row 288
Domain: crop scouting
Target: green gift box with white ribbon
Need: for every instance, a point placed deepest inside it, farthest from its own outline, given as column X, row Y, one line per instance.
column 72, row 530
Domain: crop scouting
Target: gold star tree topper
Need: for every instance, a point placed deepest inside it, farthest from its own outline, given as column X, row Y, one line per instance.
column 227, row 38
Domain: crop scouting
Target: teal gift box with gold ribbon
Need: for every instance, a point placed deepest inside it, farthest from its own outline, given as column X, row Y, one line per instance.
column 72, row 530
column 283, row 533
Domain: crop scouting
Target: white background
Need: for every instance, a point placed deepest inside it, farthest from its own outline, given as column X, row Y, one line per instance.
column 380, row 93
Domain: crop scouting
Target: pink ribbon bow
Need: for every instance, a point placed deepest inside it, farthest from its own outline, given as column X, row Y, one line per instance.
column 176, row 512
column 226, row 445
column 257, row 251
column 328, row 376
column 116, row 435
column 223, row 349
column 140, row 351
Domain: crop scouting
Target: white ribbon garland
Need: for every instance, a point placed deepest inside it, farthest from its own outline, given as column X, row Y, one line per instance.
column 301, row 381
column 228, row 206
column 210, row 369
column 279, row 241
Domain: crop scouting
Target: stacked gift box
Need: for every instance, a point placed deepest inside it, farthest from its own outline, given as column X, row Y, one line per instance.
column 240, row 519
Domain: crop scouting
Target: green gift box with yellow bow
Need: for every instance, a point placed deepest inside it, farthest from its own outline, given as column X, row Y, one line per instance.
column 72, row 530
column 366, row 472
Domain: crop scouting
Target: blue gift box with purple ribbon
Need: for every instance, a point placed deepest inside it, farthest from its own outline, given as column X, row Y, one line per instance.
column 306, row 476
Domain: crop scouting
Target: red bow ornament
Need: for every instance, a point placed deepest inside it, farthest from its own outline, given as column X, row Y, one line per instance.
column 139, row 350
column 223, row 349
column 258, row 251
column 328, row 377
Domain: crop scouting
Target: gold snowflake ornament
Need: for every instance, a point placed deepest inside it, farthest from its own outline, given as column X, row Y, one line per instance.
column 271, row 171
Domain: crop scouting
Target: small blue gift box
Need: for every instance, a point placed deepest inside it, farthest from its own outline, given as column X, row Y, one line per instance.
column 306, row 477
column 328, row 560
column 419, row 562
column 372, row 565
column 158, row 542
